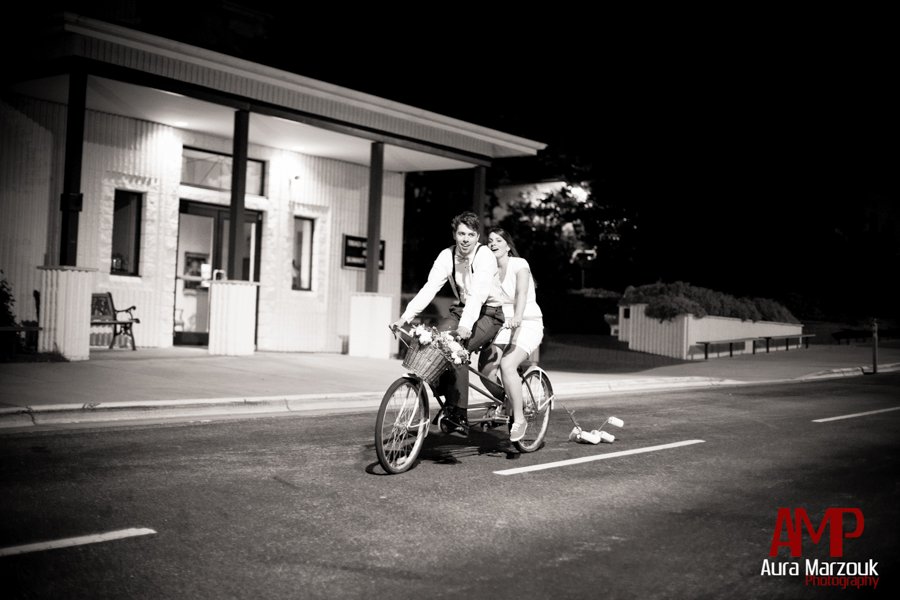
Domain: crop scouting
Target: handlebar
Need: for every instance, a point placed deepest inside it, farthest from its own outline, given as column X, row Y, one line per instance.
column 394, row 330
column 408, row 332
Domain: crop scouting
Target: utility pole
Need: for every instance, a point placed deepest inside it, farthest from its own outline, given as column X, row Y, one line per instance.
column 874, row 346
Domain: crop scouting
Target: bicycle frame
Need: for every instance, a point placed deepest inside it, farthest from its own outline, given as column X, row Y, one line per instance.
column 493, row 402
column 404, row 418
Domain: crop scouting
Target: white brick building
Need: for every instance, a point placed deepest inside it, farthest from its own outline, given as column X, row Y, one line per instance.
column 162, row 126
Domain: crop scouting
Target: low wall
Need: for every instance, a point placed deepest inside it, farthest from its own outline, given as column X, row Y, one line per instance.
column 679, row 337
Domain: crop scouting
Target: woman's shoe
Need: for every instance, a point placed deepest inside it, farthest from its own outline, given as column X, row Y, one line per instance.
column 517, row 431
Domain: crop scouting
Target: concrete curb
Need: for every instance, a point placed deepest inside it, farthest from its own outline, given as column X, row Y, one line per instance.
column 199, row 408
column 578, row 388
column 104, row 412
column 851, row 371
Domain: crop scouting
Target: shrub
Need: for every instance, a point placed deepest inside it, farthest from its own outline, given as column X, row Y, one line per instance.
column 7, row 303
column 774, row 311
column 666, row 308
column 9, row 340
column 665, row 301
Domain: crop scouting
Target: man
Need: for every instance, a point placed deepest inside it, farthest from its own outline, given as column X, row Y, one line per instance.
column 476, row 317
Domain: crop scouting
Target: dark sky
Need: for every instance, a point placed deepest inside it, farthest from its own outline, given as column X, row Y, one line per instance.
column 742, row 108
column 762, row 149
column 764, row 164
column 692, row 122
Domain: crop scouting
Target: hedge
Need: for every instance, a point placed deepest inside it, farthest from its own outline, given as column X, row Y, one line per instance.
column 665, row 301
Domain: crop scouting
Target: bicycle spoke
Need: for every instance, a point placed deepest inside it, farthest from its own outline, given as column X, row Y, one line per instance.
column 536, row 396
column 401, row 425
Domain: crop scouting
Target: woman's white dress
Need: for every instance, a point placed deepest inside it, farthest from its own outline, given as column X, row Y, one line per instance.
column 527, row 336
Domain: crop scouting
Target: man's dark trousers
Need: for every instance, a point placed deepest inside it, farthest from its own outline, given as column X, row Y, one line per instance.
column 455, row 381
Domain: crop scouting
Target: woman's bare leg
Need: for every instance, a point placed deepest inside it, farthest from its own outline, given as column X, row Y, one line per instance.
column 509, row 365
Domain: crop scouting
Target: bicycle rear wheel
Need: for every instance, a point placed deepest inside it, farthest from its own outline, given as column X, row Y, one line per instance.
column 401, row 425
column 536, row 395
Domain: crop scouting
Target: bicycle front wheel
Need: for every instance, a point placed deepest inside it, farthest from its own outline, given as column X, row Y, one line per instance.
column 401, row 425
column 536, row 395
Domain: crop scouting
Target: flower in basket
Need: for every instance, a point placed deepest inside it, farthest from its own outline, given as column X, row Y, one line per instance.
column 444, row 341
column 458, row 354
column 423, row 334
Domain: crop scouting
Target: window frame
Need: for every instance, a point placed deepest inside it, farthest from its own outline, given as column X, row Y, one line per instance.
column 261, row 191
column 135, row 243
column 312, row 237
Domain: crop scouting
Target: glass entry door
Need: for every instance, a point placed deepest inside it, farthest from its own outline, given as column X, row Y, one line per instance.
column 203, row 232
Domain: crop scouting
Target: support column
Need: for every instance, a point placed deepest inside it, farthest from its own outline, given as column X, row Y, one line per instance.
column 373, row 242
column 232, row 318
column 370, row 312
column 479, row 176
column 71, row 198
column 234, row 268
column 369, row 318
column 65, row 318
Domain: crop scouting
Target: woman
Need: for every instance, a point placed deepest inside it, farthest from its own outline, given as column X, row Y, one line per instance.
column 524, row 323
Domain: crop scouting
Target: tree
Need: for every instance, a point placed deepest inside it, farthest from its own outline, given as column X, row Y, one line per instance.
column 571, row 239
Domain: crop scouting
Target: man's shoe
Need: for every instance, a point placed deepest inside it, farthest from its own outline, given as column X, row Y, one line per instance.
column 455, row 422
column 517, row 431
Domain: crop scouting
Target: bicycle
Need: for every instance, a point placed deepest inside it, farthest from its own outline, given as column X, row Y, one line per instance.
column 404, row 421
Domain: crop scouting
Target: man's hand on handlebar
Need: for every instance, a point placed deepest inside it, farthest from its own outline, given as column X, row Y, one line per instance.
column 464, row 333
column 396, row 325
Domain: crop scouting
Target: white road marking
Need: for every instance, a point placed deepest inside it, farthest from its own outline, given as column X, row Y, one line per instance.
column 584, row 459
column 862, row 414
column 76, row 541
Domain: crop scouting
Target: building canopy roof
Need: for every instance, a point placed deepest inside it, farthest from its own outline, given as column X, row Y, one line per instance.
column 148, row 77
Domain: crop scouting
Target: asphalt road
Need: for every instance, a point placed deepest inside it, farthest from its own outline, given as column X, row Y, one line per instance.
column 296, row 507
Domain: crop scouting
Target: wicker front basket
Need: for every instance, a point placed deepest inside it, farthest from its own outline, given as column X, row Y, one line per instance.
column 426, row 361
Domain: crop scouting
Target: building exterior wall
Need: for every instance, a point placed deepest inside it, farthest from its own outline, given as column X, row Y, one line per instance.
column 145, row 157
column 31, row 147
column 646, row 334
column 335, row 195
column 138, row 156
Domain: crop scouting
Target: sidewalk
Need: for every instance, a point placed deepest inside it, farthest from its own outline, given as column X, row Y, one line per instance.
column 186, row 382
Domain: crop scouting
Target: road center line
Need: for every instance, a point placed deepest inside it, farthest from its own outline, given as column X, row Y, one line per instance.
column 862, row 414
column 76, row 541
column 584, row 459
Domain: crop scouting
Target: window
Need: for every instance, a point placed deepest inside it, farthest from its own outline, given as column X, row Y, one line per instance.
column 302, row 260
column 213, row 170
column 126, row 233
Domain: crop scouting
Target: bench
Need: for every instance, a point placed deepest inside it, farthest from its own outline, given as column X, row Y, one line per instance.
column 801, row 337
column 104, row 313
column 9, row 344
column 858, row 335
column 730, row 343
column 20, row 328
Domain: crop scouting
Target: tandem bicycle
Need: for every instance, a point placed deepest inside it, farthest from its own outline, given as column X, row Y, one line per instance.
column 404, row 416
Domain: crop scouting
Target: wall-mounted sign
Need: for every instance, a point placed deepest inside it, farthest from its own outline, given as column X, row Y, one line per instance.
column 355, row 252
